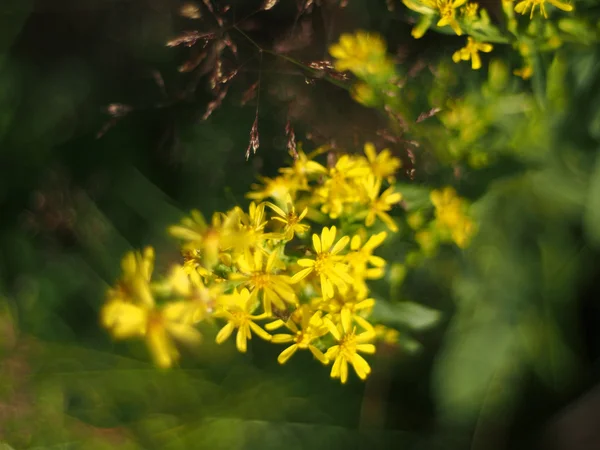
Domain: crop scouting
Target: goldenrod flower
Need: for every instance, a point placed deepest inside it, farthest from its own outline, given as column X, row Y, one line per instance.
column 326, row 263
column 524, row 72
column 237, row 309
column 471, row 51
column 290, row 219
column 364, row 94
column 470, row 11
column 250, row 229
column 347, row 307
column 380, row 204
column 383, row 165
column 450, row 215
column 303, row 168
column 159, row 326
column 362, row 53
column 134, row 284
column 386, row 334
column 261, row 279
column 447, row 9
column 342, row 186
column 277, row 188
column 523, row 6
column 362, row 254
column 346, row 351
column 311, row 328
column 206, row 239
column 201, row 300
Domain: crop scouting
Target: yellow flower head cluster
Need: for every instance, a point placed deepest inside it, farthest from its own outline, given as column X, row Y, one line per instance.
column 364, row 54
column 471, row 52
column 260, row 272
column 442, row 12
column 523, row 6
column 451, row 222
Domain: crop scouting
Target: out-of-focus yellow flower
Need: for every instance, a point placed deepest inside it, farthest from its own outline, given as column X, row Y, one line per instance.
column 361, row 255
column 157, row 327
column 290, row 219
column 415, row 220
column 364, row 54
column 523, row 6
column 524, row 72
column 277, row 188
column 310, row 329
column 206, row 239
column 134, row 285
column 263, row 282
column 471, row 52
column 201, row 300
column 238, row 309
column 427, row 240
column 470, row 11
column 387, row 335
column 250, row 230
column 380, row 204
column 383, row 165
column 326, row 263
column 364, row 94
column 349, row 343
column 302, row 169
column 450, row 211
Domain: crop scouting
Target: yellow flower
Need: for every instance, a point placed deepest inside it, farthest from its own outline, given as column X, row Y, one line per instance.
column 237, row 309
column 277, row 188
column 326, row 263
column 304, row 167
column 380, row 204
column 447, row 10
column 362, row 53
column 159, row 327
column 362, row 255
column 448, row 207
column 525, row 72
column 346, row 351
column 450, row 214
column 471, row 51
column 342, row 186
column 383, row 165
column 311, row 328
column 470, row 11
column 204, row 238
column 290, row 219
column 523, row 6
column 134, row 285
column 387, row 335
column 250, row 230
column 262, row 279
column 201, row 300
column 347, row 307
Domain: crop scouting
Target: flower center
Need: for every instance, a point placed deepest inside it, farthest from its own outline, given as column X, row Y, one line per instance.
column 261, row 280
column 322, row 262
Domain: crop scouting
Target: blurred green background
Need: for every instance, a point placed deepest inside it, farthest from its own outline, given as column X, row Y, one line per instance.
column 518, row 340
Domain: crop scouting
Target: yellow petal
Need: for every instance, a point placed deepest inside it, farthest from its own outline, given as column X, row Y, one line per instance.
column 287, row 354
column 224, row 333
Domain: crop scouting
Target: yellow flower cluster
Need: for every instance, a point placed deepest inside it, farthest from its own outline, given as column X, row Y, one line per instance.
column 362, row 53
column 365, row 55
column 451, row 222
column 261, row 273
column 529, row 5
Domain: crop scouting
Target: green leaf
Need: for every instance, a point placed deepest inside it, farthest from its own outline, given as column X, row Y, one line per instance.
column 591, row 215
column 407, row 314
